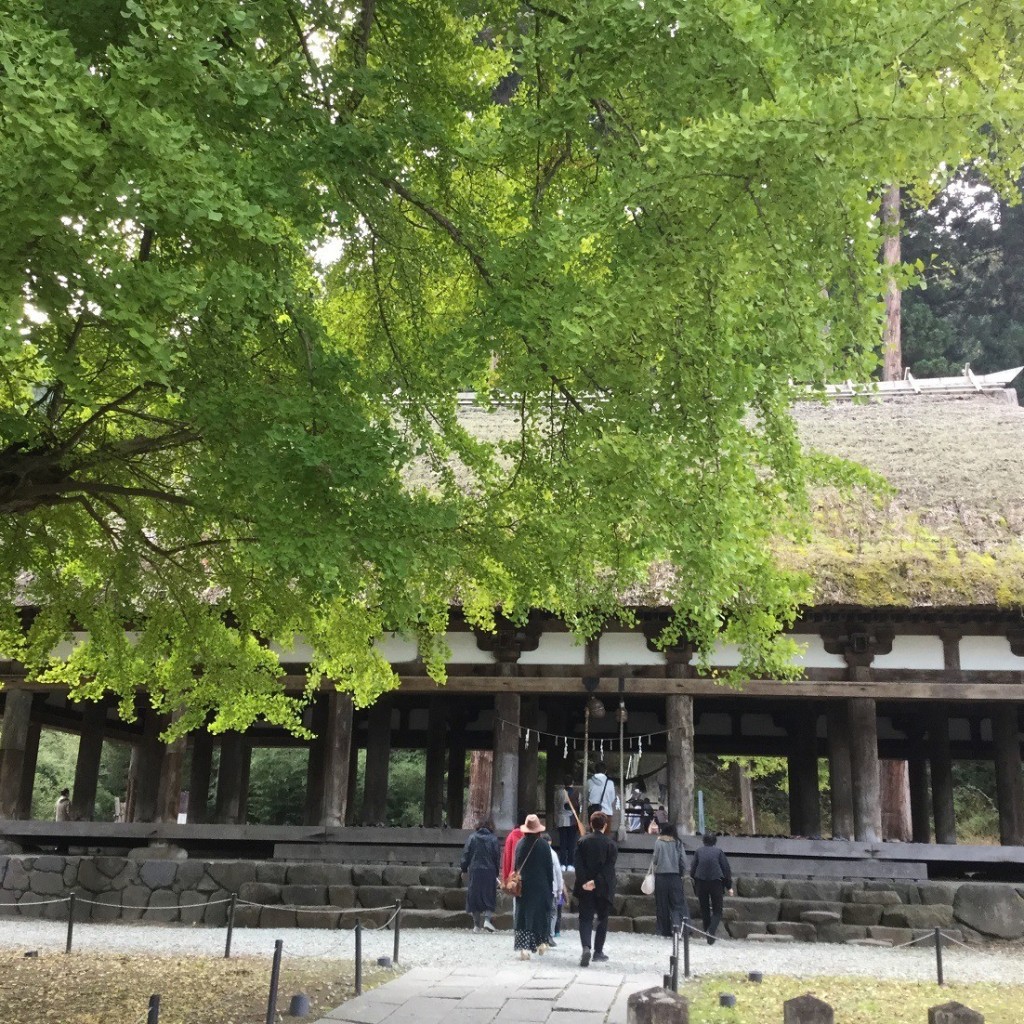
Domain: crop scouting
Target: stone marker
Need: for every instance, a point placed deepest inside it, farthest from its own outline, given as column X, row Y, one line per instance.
column 807, row 1010
column 726, row 999
column 756, row 977
column 299, row 1006
column 954, row 1013
column 657, row 1006
column 384, row 961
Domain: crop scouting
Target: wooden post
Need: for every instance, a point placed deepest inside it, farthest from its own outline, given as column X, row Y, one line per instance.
column 744, row 798
column 87, row 765
column 478, row 804
column 679, row 748
column 1009, row 789
column 804, row 790
column 28, row 770
column 199, row 777
column 941, row 761
column 505, row 773
column 169, row 790
column 315, row 765
column 338, row 737
column 433, row 781
column 867, row 809
column 920, row 813
column 352, row 796
column 840, row 772
column 145, row 765
column 13, row 744
column 455, row 797
column 894, row 789
column 378, row 760
column 229, row 779
column 529, row 761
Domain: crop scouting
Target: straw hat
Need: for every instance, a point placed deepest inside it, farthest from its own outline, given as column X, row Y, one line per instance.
column 532, row 824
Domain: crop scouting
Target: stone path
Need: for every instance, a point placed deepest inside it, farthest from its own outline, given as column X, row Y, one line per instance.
column 522, row 993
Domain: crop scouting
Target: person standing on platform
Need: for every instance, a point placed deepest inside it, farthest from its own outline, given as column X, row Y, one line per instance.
column 533, row 860
column 712, row 877
column 568, row 823
column 594, row 888
column 62, row 810
column 601, row 792
column 669, row 867
column 481, row 862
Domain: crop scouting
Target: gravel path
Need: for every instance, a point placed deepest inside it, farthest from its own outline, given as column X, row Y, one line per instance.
column 630, row 954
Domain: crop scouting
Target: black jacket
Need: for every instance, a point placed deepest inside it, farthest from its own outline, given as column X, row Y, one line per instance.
column 595, row 862
column 710, row 864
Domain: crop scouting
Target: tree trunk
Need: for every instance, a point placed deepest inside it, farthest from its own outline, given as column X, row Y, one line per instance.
column 892, row 347
column 478, row 805
column 894, row 783
column 745, row 799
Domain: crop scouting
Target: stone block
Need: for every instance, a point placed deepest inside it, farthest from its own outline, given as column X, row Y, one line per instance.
column 231, row 874
column 272, row 873
column 403, row 875
column 49, row 862
column 261, row 892
column 134, row 900
column 934, row 916
column 192, row 906
column 16, row 877
column 157, row 851
column 190, row 874
column 70, row 874
column 790, row 910
column 897, row 936
column 380, row 895
column 841, row 932
column 862, row 913
column 163, row 906
column 245, row 917
column 91, row 878
column 620, row 924
column 367, row 874
column 769, row 937
column 938, row 892
column 445, row 877
column 216, row 913
column 636, row 906
column 47, row 883
column 106, row 906
column 876, row 943
column 453, row 899
column 645, row 925
column 426, row 897
column 9, row 849
column 908, row 892
column 830, row 891
column 7, row 898
column 759, row 888
column 629, row 885
column 754, row 909
column 304, row 895
column 657, row 1006
column 342, row 896
column 158, row 874
column 369, row 918
column 990, row 908
column 110, row 866
column 306, row 873
column 954, row 1013
column 800, row 930
column 807, row 1010
column 325, row 918
column 820, row 917
column 278, row 917
column 882, row 897
column 31, row 905
column 744, row 929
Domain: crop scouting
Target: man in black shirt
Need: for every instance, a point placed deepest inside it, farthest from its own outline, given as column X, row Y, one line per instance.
column 594, row 888
column 712, row 876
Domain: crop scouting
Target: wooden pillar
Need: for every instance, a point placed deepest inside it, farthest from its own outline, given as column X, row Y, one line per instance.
column 315, row 765
column 478, row 804
column 894, row 790
column 804, row 791
column 553, row 772
column 840, row 772
column 941, row 763
column 352, row 797
column 867, row 809
column 744, row 798
column 337, row 750
column 228, row 807
column 243, row 780
column 199, row 778
column 433, row 776
column 28, row 771
column 13, row 744
column 455, row 799
column 529, row 758
column 378, row 762
column 505, row 772
column 1009, row 788
column 172, row 763
column 679, row 750
column 920, row 813
column 145, row 767
column 87, row 765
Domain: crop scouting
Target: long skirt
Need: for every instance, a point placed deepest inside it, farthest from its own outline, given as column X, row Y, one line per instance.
column 533, row 918
column 481, row 892
column 669, row 903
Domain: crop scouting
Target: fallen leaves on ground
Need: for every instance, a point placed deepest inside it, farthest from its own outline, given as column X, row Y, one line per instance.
column 103, row 988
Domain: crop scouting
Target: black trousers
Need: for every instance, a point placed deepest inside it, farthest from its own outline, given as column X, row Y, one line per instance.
column 669, row 903
column 567, row 836
column 591, row 908
column 710, row 895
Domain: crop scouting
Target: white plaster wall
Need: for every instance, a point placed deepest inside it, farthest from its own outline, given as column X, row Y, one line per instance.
column 915, row 651
column 627, row 649
column 988, row 653
column 555, row 649
column 815, row 655
column 299, row 653
column 465, row 651
column 726, row 655
column 395, row 648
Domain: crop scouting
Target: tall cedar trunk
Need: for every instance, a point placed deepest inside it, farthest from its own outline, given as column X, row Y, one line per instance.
column 892, row 348
column 894, row 783
column 745, row 799
column 478, row 804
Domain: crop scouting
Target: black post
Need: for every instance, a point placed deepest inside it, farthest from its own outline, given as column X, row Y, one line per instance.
column 71, row 923
column 686, row 948
column 275, row 977
column 231, row 925
column 938, row 955
column 153, row 1015
column 398, row 930
column 675, row 961
column 359, row 960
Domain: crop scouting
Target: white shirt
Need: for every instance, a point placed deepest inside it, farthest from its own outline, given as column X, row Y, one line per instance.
column 598, row 784
column 557, row 881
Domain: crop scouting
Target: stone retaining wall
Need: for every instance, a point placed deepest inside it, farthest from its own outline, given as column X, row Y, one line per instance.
column 321, row 895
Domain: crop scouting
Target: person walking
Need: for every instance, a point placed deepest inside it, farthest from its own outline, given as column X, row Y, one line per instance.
column 533, row 905
column 601, row 792
column 669, row 866
column 509, row 851
column 62, row 809
column 712, row 877
column 594, row 887
column 557, row 893
column 568, row 823
column 481, row 862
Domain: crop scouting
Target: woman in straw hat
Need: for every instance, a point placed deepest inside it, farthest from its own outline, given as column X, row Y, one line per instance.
column 533, row 907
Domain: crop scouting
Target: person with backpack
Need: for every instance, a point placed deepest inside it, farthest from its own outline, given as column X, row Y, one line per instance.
column 601, row 792
column 712, row 877
column 668, row 865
